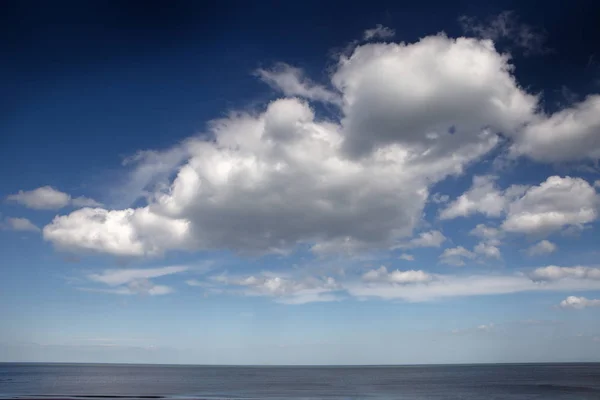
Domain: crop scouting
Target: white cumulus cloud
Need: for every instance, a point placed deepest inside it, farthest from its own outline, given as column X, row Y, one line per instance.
column 487, row 250
column 405, row 94
column 570, row 134
column 554, row 204
column 486, row 232
column 579, row 302
column 271, row 180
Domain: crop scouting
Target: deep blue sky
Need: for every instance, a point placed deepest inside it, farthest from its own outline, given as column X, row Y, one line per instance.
column 85, row 85
column 130, row 76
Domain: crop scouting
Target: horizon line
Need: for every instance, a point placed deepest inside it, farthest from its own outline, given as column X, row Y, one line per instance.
column 304, row 365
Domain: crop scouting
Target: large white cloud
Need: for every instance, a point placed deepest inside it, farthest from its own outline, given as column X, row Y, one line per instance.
column 410, row 115
column 434, row 96
column 267, row 183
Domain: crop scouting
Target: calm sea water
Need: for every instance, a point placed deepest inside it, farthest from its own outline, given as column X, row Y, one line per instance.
column 517, row 382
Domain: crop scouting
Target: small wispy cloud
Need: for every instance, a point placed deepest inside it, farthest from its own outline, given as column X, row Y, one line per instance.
column 148, row 171
column 539, row 322
column 506, row 26
column 424, row 239
column 438, row 198
column 49, row 198
column 479, row 329
column 115, row 277
column 541, row 248
column 19, row 225
column 556, row 273
column 144, row 288
column 579, row 302
column 295, row 287
column 291, row 81
column 133, row 281
column 283, row 289
column 448, row 286
column 379, row 32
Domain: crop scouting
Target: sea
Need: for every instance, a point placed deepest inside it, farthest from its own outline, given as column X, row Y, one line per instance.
column 177, row 382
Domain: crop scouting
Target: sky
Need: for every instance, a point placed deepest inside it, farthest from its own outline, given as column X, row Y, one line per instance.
column 300, row 183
